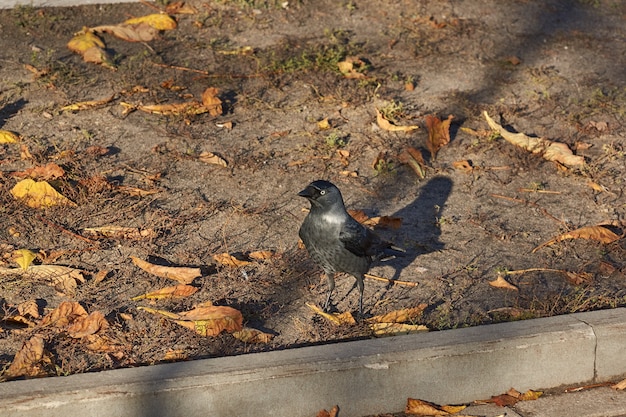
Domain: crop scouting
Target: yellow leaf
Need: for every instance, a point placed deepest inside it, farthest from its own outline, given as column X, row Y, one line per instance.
column 323, row 124
column 24, row 257
column 229, row 260
column 25, row 362
column 248, row 335
column 600, row 233
column 206, row 321
column 530, row 395
column 438, row 134
column 177, row 291
column 183, row 275
column 158, row 21
column 85, row 105
column 84, row 40
column 399, row 316
column 211, row 158
column 387, row 125
column 391, row 329
column 8, row 137
column 500, row 282
column 39, row 194
column 551, row 151
column 335, row 318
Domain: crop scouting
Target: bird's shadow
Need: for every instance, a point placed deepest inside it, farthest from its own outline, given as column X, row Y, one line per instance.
column 420, row 231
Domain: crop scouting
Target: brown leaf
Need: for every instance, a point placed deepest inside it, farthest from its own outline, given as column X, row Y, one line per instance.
column 184, row 108
column 620, row 385
column 141, row 32
column 87, row 325
column 211, row 321
column 384, row 221
column 158, row 21
column 63, row 278
column 414, row 158
column 426, row 408
column 136, row 192
column 248, row 335
column 26, row 360
column 387, row 125
column 261, row 255
column 393, row 329
column 229, row 260
column 183, row 275
column 175, row 355
column 599, row 233
column 332, row 413
column 212, row 103
column 211, row 158
column 49, row 171
column 358, row 215
column 464, row 165
column 104, row 344
column 86, row 105
column 177, row 291
column 29, row 308
column 353, row 68
column 119, row 232
column 551, row 151
column 67, row 312
column 500, row 282
column 438, row 134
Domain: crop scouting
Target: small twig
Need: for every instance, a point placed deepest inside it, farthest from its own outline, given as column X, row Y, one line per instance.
column 392, row 281
column 523, row 271
column 532, row 190
column 530, row 203
column 206, row 73
column 64, row 230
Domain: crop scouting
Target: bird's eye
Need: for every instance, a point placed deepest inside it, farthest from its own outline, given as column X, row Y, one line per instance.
column 322, row 192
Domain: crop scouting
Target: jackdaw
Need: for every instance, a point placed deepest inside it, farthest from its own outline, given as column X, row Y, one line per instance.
column 336, row 241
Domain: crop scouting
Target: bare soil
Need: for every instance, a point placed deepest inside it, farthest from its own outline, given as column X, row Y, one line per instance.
column 555, row 69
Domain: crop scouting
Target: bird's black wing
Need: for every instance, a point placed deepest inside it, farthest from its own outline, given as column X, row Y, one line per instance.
column 356, row 238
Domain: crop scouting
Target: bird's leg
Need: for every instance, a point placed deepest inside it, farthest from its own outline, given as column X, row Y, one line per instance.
column 330, row 277
column 361, row 285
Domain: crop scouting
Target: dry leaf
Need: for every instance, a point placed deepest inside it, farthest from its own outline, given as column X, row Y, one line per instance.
column 229, row 260
column 332, row 413
column 177, row 291
column 425, row 408
column 63, row 278
column 211, row 102
column 248, row 335
column 386, row 124
column 8, row 137
column 49, row 171
column 29, row 308
column 175, row 355
column 26, row 360
column 399, row 316
column 180, row 7
column 335, row 318
column 500, row 282
column 87, row 325
column 261, row 255
column 188, row 108
column 392, row 329
column 183, row 275
column 119, row 232
column 620, row 385
column 551, row 151
column 136, row 192
column 86, row 105
column 438, row 134
column 158, row 21
column 599, row 233
column 39, row 194
column 91, row 48
column 384, row 222
column 464, row 165
column 104, row 344
column 211, row 158
column 323, row 124
column 141, row 32
column 24, row 257
column 353, row 68
column 66, row 313
column 414, row 158
column 206, row 321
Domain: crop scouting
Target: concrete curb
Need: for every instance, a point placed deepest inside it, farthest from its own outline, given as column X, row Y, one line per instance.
column 363, row 377
column 9, row 4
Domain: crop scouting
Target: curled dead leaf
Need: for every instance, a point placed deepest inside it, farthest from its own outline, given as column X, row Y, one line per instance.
column 500, row 282
column 183, row 275
column 413, row 157
column 158, row 21
column 393, row 329
column 26, row 360
column 387, row 125
column 248, row 335
column 551, row 151
column 87, row 325
column 600, row 233
column 399, row 316
column 177, row 291
column 335, row 318
column 39, row 194
column 49, row 171
column 66, row 313
column 211, row 158
column 206, row 321
column 438, row 134
column 119, row 232
column 227, row 259
column 425, row 408
column 211, row 102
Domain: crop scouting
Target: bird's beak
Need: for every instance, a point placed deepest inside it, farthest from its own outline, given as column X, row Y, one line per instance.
column 308, row 192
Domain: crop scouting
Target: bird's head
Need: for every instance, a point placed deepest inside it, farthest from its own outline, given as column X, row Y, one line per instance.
column 323, row 195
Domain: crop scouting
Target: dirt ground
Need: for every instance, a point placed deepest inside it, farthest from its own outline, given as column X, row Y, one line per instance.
column 554, row 69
